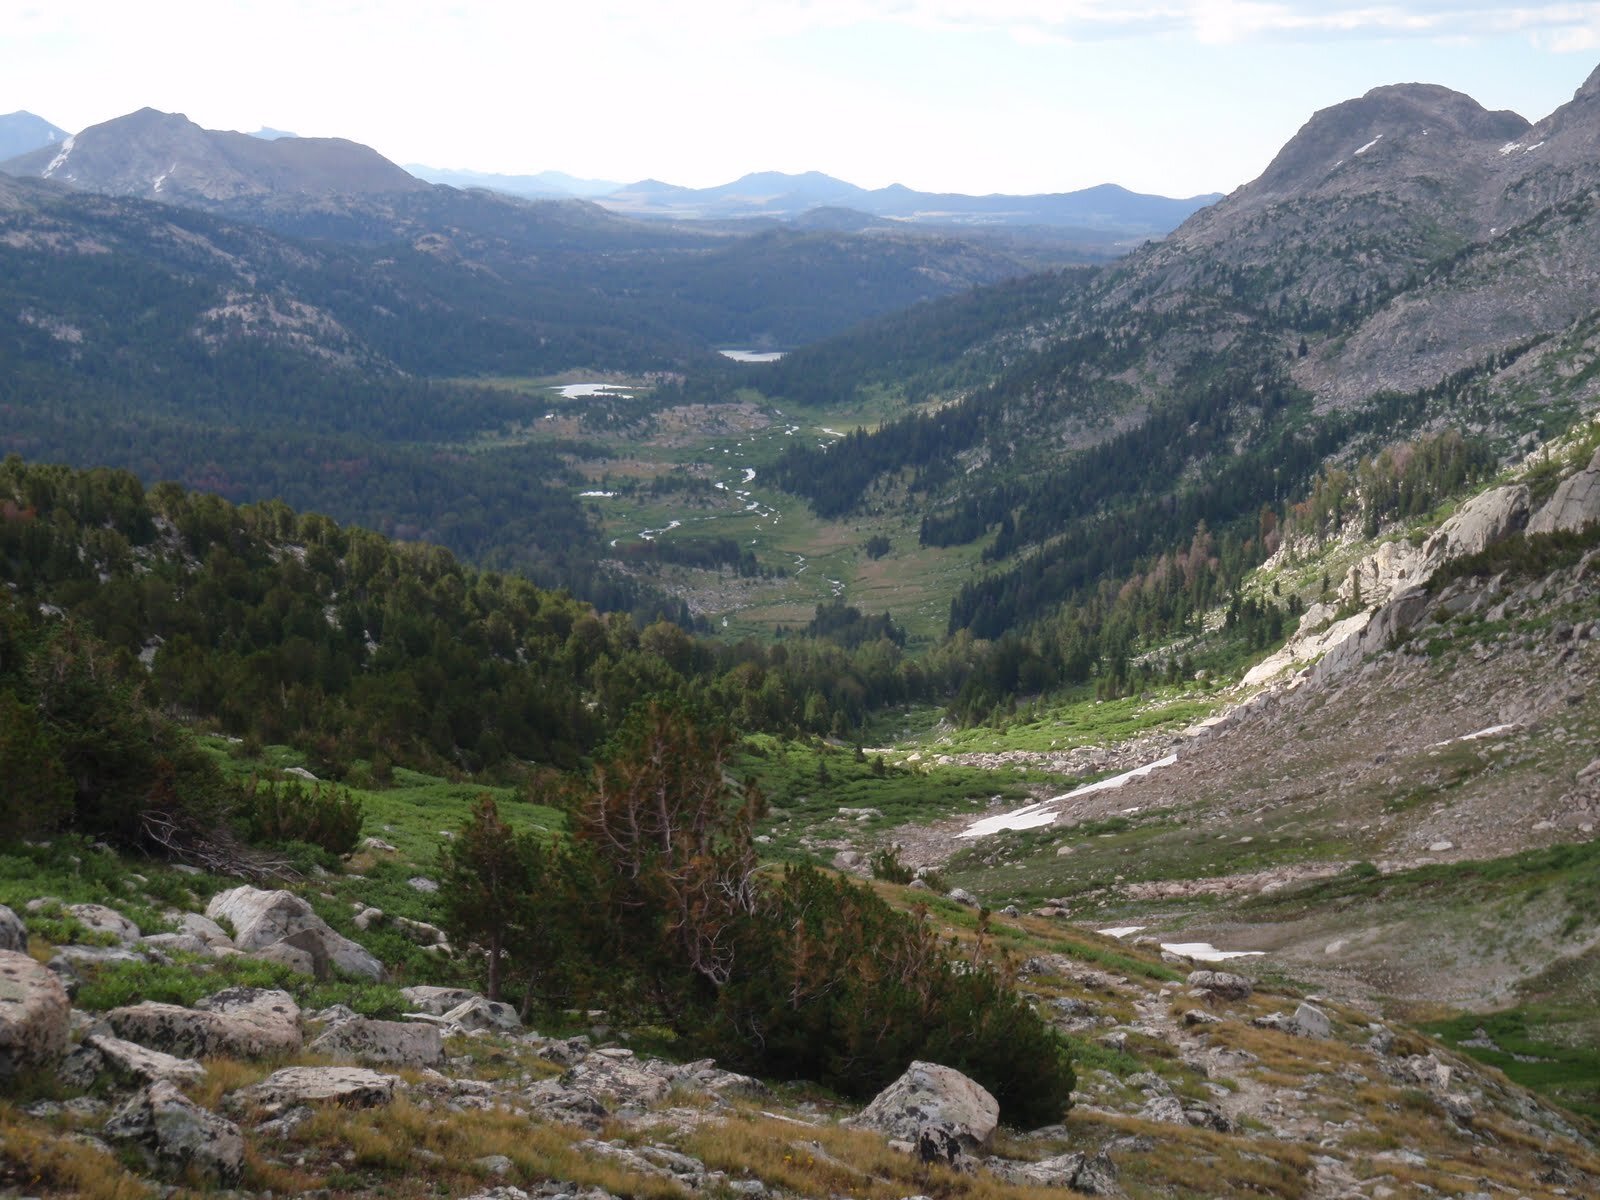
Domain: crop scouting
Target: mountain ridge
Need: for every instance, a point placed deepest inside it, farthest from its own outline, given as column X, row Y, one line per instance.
column 164, row 156
column 775, row 193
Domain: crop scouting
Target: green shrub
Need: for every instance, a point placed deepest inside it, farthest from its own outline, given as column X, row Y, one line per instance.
column 288, row 811
column 886, row 865
column 835, row 985
column 804, row 975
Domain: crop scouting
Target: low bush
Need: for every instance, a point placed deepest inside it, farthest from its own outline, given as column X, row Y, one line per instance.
column 804, row 975
column 289, row 811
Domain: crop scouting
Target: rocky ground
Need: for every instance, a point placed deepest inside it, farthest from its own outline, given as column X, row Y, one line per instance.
column 1191, row 1083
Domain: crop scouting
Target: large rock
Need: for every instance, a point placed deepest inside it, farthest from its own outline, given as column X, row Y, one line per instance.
column 34, row 1015
column 1478, row 524
column 1093, row 1175
column 179, row 1135
column 101, row 919
column 13, row 933
column 1311, row 1021
column 349, row 1087
column 204, row 928
column 126, row 1062
column 933, row 1101
column 478, row 1013
column 436, row 1000
column 1221, row 984
column 396, row 1043
column 262, row 919
column 176, row 943
column 1575, row 504
column 240, row 1022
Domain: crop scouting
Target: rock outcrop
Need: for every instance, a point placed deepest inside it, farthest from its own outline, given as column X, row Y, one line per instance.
column 933, row 1103
column 436, row 1000
column 34, row 1015
column 13, row 933
column 1575, row 504
column 126, row 1062
column 242, row 1022
column 1389, row 583
column 103, row 920
column 1396, row 567
column 350, row 1087
column 263, row 921
column 388, row 1043
column 178, row 1135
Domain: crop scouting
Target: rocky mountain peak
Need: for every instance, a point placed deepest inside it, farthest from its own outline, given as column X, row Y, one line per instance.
column 1424, row 123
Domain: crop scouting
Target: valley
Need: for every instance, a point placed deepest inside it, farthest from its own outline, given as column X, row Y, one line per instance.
column 551, row 702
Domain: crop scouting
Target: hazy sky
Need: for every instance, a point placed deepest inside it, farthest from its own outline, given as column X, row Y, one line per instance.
column 1170, row 96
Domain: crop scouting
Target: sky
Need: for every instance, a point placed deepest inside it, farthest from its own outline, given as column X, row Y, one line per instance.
column 1175, row 97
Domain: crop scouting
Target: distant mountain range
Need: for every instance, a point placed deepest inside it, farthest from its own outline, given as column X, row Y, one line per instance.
column 546, row 185
column 779, row 196
column 124, row 157
column 775, row 194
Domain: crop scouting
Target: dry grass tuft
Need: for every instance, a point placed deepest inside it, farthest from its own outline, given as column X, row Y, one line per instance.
column 403, row 1148
column 1192, row 1162
column 36, row 1160
column 830, row 1161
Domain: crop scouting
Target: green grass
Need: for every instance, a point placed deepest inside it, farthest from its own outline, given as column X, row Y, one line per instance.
column 1080, row 720
column 72, row 871
column 1570, row 871
column 414, row 812
column 1568, row 1074
column 807, row 784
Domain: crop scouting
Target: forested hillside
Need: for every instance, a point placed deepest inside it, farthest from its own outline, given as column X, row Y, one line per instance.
column 1076, row 426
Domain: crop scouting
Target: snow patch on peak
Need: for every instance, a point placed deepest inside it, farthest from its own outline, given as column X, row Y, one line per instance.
column 60, row 160
column 1370, row 144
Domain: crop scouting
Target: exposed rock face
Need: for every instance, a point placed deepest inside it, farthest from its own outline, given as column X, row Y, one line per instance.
column 1575, row 504
column 33, row 1015
column 128, row 1062
column 13, row 933
column 262, row 919
column 244, row 1022
column 1397, row 566
column 930, row 1097
column 397, row 1043
column 178, row 1134
column 1390, row 581
column 351, row 1087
